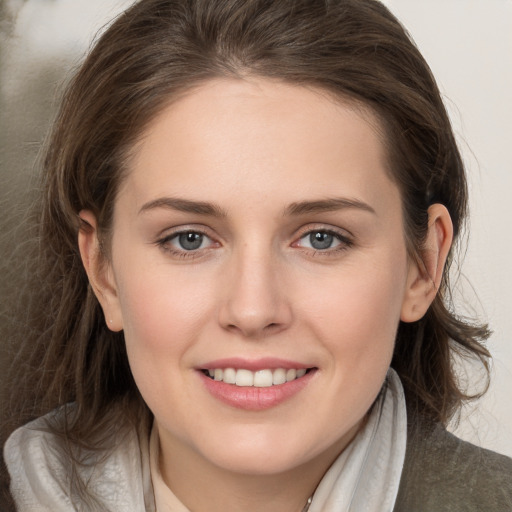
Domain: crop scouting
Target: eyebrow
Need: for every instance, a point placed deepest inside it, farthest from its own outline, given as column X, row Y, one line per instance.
column 184, row 205
column 294, row 209
column 326, row 205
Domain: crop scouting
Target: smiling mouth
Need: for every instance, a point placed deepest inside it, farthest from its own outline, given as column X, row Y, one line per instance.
column 259, row 379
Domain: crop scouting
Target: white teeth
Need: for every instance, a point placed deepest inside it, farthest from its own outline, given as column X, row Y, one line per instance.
column 259, row 379
column 279, row 376
column 229, row 376
column 244, row 378
column 291, row 375
column 263, row 379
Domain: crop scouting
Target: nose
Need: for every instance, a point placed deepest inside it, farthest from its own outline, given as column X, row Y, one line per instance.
column 255, row 302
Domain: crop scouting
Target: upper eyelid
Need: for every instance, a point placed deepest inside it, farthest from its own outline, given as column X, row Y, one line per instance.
column 186, row 228
column 311, row 228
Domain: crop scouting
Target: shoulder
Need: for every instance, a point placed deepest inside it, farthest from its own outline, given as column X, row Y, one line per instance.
column 443, row 473
column 50, row 473
column 32, row 457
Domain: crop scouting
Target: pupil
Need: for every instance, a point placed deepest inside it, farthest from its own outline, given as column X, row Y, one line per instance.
column 320, row 240
column 190, row 241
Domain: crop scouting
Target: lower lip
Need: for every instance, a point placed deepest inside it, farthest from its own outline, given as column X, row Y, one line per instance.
column 252, row 398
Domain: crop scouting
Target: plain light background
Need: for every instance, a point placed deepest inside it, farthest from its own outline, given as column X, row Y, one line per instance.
column 468, row 44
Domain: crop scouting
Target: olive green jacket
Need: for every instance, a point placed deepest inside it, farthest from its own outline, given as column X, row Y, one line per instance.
column 445, row 474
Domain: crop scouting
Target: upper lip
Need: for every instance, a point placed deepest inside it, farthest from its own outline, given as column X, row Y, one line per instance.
column 265, row 363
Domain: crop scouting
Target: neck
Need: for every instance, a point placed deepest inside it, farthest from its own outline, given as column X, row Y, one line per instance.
column 202, row 486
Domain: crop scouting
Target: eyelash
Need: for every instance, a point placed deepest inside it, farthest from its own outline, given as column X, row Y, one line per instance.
column 164, row 243
column 344, row 242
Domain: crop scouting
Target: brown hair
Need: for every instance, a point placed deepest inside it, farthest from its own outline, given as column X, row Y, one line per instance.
column 158, row 49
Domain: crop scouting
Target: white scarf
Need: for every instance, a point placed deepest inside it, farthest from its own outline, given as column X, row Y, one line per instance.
column 364, row 478
column 366, row 475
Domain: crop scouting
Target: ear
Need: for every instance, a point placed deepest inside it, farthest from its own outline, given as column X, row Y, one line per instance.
column 99, row 270
column 425, row 274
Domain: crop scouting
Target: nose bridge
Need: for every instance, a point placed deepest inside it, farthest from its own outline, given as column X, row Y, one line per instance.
column 255, row 302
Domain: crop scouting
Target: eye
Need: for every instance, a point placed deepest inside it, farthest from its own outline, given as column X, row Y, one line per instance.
column 323, row 240
column 319, row 240
column 187, row 241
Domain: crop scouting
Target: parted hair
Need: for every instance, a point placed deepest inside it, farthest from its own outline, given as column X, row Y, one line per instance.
column 151, row 54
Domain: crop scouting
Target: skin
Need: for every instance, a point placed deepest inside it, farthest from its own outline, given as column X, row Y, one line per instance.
column 260, row 153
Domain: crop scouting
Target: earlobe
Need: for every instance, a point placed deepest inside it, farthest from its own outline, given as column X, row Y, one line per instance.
column 425, row 274
column 99, row 270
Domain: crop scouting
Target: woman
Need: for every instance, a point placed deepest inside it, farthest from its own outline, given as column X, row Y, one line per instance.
column 248, row 217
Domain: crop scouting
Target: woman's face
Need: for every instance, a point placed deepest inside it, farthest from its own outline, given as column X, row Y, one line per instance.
column 258, row 234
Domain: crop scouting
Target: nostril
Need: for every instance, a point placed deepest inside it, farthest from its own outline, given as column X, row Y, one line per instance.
column 272, row 327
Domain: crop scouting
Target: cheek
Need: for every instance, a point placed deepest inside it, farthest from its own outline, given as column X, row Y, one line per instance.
column 161, row 323
column 356, row 320
column 358, row 311
column 162, row 312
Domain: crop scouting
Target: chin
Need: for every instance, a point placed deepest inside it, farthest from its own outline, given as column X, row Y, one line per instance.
column 261, row 454
column 258, row 464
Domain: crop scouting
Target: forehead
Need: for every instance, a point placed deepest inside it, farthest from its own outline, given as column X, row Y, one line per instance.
column 228, row 136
